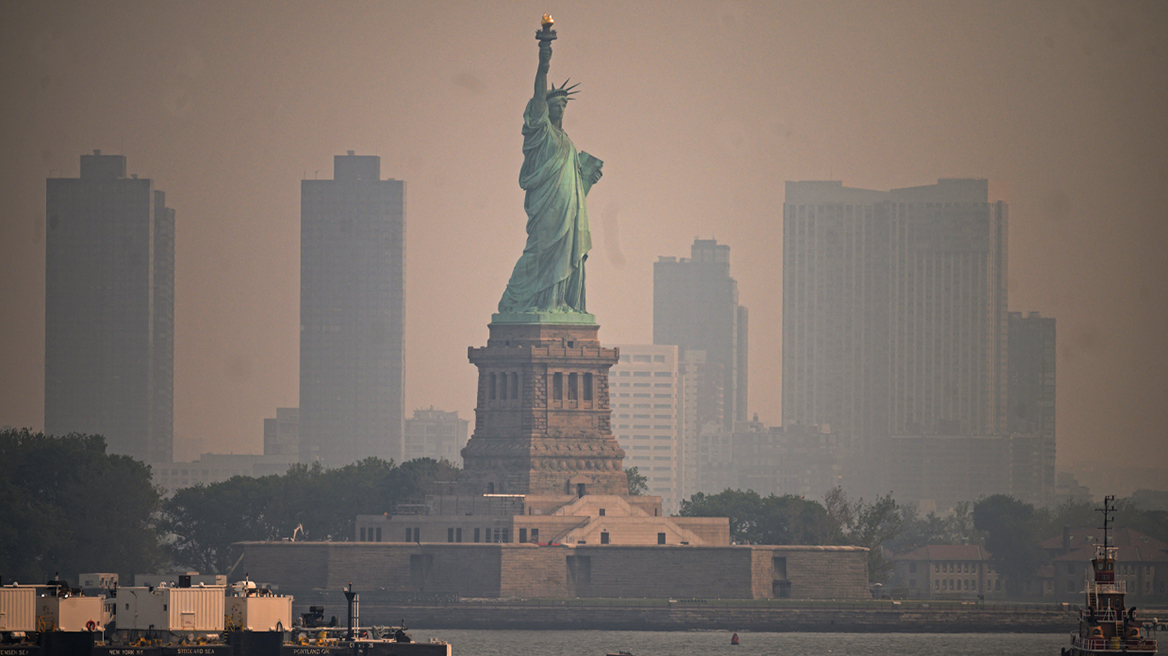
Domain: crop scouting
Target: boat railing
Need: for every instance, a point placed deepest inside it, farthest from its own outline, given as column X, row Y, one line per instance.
column 1094, row 587
column 1090, row 643
column 1100, row 614
column 1109, row 643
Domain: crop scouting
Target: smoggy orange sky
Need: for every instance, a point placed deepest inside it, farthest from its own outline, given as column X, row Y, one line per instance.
column 700, row 110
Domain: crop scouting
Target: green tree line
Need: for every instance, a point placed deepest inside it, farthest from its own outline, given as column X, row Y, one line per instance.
column 67, row 506
column 200, row 523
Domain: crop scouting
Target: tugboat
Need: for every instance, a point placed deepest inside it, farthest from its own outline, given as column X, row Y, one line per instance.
column 1106, row 625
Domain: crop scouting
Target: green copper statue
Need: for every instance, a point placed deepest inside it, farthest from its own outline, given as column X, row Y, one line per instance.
column 549, row 276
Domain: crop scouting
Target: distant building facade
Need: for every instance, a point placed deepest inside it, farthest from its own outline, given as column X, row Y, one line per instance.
column 211, row 468
column 435, row 434
column 1141, row 563
column 799, row 460
column 946, row 571
column 647, row 417
column 695, row 307
column 109, row 309
column 894, row 314
column 938, row 471
column 282, row 433
column 352, row 314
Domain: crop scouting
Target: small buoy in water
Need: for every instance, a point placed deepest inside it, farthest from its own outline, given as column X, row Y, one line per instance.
column 734, row 639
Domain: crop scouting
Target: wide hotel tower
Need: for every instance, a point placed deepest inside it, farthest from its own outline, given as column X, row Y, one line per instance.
column 352, row 314
column 894, row 310
column 109, row 309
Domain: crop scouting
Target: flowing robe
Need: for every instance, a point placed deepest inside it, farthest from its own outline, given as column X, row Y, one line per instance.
column 549, row 276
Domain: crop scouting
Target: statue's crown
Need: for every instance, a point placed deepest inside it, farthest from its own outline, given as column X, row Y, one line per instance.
column 563, row 91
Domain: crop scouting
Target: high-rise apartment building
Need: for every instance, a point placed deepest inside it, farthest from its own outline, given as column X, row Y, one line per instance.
column 695, row 307
column 1031, row 372
column 352, row 309
column 647, row 407
column 109, row 309
column 894, row 311
column 1031, row 400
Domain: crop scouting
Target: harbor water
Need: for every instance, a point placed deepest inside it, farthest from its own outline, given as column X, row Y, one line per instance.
column 717, row 643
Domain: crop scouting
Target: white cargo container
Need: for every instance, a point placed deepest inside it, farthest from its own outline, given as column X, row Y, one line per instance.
column 256, row 613
column 171, row 609
column 18, row 609
column 68, row 613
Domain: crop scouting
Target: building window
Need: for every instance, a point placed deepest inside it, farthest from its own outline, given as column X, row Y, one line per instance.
column 502, row 387
column 573, row 387
column 535, row 535
column 660, row 538
column 558, row 386
column 362, row 539
column 602, row 512
column 491, row 386
column 604, row 537
column 476, row 535
column 522, row 535
column 506, row 535
column 587, row 387
column 515, row 386
column 450, row 534
column 458, row 535
column 379, row 534
column 409, row 534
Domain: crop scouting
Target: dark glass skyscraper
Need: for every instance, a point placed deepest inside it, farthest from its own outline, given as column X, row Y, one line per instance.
column 695, row 307
column 109, row 309
column 352, row 314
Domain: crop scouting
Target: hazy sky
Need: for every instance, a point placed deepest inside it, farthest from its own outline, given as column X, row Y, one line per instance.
column 700, row 110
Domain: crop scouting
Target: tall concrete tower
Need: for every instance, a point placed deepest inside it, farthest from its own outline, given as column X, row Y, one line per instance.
column 352, row 314
column 109, row 309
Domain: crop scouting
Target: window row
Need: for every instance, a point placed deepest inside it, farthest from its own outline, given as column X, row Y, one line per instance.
column 573, row 386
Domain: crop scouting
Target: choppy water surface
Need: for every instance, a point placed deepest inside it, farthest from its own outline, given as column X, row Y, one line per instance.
column 713, row 643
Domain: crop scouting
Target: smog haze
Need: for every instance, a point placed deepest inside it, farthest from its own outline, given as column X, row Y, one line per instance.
column 700, row 111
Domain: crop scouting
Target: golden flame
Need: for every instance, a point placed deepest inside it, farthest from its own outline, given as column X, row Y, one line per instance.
column 547, row 20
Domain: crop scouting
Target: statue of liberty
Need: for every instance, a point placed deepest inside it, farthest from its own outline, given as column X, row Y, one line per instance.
column 549, row 276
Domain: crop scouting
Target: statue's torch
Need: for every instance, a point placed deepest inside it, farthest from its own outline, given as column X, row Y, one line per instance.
column 547, row 33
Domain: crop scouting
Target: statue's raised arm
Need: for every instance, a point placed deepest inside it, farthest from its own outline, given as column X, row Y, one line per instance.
column 548, row 279
column 539, row 100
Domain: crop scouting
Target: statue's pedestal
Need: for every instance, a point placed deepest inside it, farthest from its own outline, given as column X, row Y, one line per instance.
column 542, row 421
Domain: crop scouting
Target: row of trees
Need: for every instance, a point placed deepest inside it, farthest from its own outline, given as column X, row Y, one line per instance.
column 201, row 522
column 788, row 519
column 67, row 506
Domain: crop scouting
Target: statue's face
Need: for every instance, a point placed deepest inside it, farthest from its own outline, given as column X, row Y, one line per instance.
column 556, row 108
